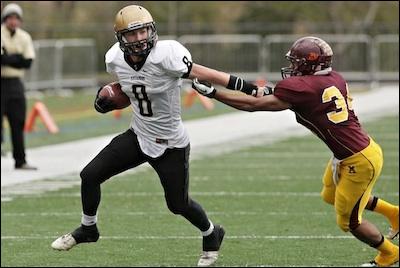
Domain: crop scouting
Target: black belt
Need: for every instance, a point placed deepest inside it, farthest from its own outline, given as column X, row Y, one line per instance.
column 161, row 141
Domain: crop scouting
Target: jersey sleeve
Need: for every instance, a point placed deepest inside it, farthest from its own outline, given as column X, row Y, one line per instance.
column 110, row 68
column 178, row 61
column 110, row 59
column 291, row 91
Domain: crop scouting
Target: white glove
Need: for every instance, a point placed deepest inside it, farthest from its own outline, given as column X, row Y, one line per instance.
column 204, row 88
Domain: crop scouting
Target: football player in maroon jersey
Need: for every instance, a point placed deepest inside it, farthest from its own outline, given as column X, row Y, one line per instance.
column 320, row 99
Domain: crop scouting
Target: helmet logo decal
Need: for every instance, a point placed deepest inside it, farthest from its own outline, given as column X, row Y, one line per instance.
column 312, row 56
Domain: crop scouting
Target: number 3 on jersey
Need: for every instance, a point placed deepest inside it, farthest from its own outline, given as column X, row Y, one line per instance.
column 143, row 100
column 333, row 94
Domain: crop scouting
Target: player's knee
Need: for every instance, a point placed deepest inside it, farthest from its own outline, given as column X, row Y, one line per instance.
column 176, row 207
column 88, row 175
column 344, row 223
column 85, row 174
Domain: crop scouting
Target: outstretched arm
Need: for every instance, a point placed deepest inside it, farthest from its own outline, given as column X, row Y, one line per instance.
column 207, row 74
column 241, row 101
column 226, row 80
column 250, row 103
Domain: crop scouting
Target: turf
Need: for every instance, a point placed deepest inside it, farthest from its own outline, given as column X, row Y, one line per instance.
column 267, row 198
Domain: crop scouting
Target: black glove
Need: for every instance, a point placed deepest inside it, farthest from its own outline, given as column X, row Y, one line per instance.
column 103, row 104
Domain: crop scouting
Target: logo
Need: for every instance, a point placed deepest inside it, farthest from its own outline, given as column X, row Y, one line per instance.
column 312, row 56
column 352, row 169
column 137, row 77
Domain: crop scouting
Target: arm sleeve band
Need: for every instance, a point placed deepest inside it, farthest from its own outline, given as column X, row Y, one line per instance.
column 237, row 83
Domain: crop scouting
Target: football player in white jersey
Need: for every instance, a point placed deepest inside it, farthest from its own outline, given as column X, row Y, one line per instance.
column 150, row 73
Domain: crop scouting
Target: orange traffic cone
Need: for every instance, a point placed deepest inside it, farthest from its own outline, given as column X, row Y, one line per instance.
column 117, row 114
column 260, row 82
column 191, row 96
column 39, row 109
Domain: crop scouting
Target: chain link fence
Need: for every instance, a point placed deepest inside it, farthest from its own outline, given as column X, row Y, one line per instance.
column 63, row 63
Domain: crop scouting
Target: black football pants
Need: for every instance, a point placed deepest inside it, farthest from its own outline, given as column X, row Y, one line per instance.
column 124, row 153
column 13, row 106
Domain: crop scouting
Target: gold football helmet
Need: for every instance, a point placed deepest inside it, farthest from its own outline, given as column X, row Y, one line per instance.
column 132, row 18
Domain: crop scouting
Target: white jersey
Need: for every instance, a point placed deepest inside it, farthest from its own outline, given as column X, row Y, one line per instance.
column 154, row 91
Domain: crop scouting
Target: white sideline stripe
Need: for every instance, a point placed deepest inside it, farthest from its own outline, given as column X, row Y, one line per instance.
column 143, row 213
column 253, row 177
column 267, row 237
column 237, row 194
column 222, row 166
column 289, row 154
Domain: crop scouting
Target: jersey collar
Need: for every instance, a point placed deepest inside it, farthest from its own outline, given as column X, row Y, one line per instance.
column 135, row 65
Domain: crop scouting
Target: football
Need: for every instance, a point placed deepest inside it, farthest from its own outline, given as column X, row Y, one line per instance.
column 114, row 92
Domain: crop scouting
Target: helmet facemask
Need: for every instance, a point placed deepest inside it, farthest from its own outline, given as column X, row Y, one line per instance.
column 140, row 48
column 293, row 69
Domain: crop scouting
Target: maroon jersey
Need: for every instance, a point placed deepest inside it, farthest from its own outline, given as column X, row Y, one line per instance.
column 322, row 104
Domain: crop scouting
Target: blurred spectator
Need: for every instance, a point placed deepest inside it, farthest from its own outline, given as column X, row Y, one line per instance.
column 17, row 53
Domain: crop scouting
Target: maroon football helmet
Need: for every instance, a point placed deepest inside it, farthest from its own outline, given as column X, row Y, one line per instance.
column 307, row 55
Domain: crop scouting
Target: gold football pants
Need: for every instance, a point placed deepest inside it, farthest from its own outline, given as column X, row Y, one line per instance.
column 355, row 178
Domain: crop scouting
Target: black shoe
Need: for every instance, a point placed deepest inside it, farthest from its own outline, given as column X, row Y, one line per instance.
column 213, row 241
column 86, row 234
column 25, row 166
column 211, row 245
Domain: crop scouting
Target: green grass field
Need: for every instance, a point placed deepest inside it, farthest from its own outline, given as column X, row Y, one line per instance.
column 267, row 198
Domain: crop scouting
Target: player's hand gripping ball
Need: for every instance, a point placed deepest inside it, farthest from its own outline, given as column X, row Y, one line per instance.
column 111, row 97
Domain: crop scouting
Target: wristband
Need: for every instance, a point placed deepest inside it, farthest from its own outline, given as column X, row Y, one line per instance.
column 237, row 83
